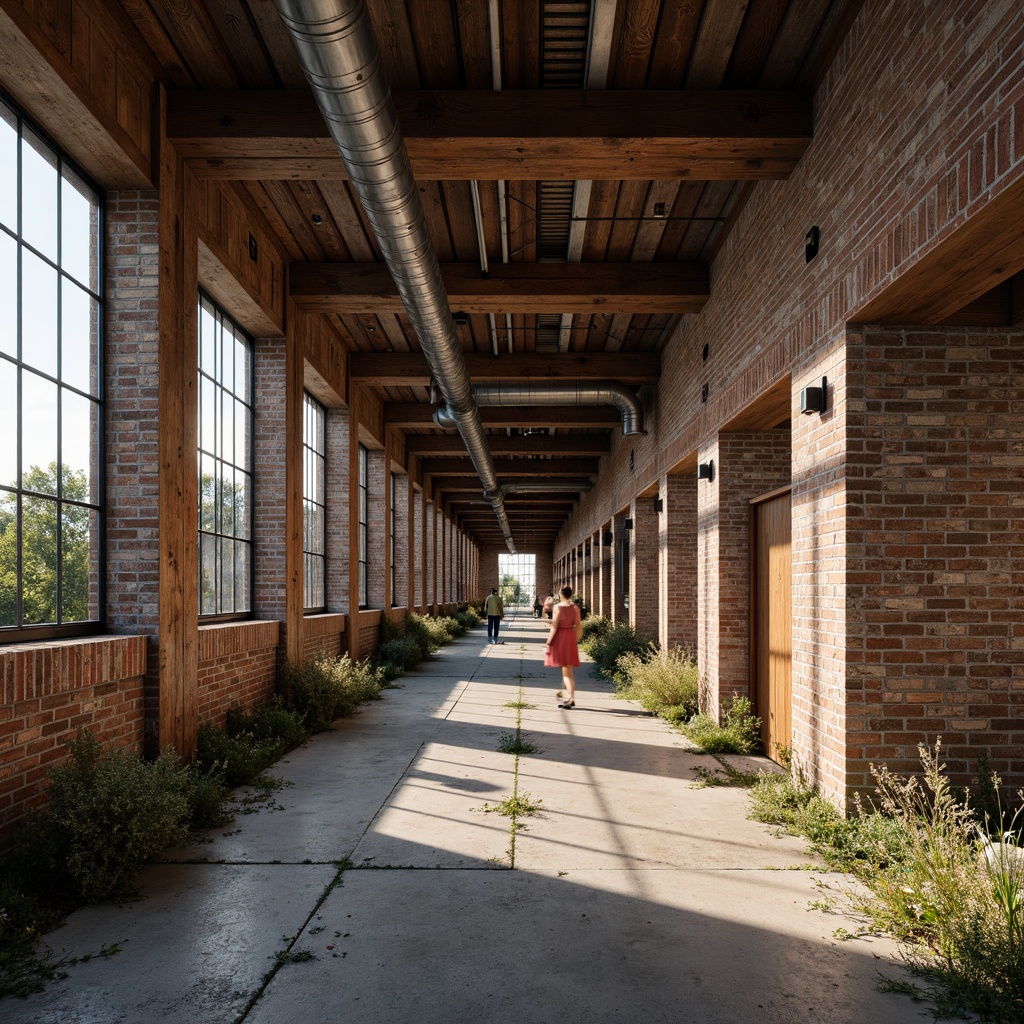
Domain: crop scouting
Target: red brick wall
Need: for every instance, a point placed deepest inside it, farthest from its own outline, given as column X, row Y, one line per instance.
column 400, row 598
column 50, row 691
column 237, row 667
column 677, row 562
column 377, row 532
column 643, row 567
column 369, row 631
column 935, row 585
column 336, row 490
column 324, row 634
column 746, row 465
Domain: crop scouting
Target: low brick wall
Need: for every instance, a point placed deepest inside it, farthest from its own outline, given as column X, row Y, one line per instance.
column 48, row 691
column 324, row 634
column 369, row 631
column 237, row 667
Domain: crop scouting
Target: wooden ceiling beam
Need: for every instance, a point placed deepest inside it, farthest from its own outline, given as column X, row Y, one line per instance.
column 409, row 415
column 409, row 369
column 520, row 133
column 511, row 288
column 513, row 467
column 449, row 444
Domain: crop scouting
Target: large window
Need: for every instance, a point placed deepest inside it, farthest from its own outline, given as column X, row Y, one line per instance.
column 364, row 536
column 51, row 422
column 225, row 465
column 314, row 511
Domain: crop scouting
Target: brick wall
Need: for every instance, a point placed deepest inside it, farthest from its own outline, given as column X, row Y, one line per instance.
column 369, row 631
column 237, row 667
column 416, row 601
column 324, row 634
column 746, row 465
column 643, row 567
column 131, row 410
column 377, row 532
column 336, row 490
column 400, row 598
column 677, row 562
column 935, row 586
column 47, row 693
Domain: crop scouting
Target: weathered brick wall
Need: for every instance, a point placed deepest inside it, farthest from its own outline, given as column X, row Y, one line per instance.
column 369, row 631
column 746, row 465
column 269, row 533
column 377, row 531
column 323, row 634
column 48, row 692
column 401, row 595
column 677, row 562
column 237, row 667
column 934, row 485
column 132, row 421
column 417, row 601
column 643, row 567
column 336, row 482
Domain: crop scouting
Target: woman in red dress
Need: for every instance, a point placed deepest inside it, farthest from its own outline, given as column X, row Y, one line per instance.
column 562, row 647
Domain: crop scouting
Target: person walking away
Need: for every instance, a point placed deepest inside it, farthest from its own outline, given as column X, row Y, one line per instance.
column 562, row 648
column 495, row 612
column 537, row 606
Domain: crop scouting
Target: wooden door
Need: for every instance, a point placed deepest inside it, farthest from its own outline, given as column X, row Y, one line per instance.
column 771, row 630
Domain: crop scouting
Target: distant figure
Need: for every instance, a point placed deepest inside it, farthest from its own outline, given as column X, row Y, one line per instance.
column 538, row 607
column 548, row 607
column 562, row 648
column 495, row 612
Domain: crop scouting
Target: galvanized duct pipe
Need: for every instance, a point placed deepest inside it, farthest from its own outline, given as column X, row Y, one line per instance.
column 339, row 56
column 538, row 486
column 573, row 393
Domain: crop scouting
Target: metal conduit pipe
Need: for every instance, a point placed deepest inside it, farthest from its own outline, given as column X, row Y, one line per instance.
column 537, row 486
column 338, row 53
column 572, row 393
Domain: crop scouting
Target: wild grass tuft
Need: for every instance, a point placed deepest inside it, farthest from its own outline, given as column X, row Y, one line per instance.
column 739, row 733
column 324, row 689
column 665, row 682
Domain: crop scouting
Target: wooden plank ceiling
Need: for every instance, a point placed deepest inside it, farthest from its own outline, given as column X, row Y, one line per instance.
column 611, row 147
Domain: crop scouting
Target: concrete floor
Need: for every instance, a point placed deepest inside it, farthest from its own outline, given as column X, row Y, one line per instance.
column 633, row 896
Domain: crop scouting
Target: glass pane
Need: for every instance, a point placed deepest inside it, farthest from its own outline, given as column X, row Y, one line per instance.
column 226, row 566
column 241, row 424
column 207, row 574
column 208, row 494
column 78, row 443
column 38, row 434
column 8, row 167
column 79, row 337
column 79, row 222
column 8, row 424
column 227, row 497
column 38, row 313
column 242, row 488
column 75, row 581
column 241, row 381
column 8, row 294
column 39, row 560
column 38, row 196
column 8, row 557
column 241, row 577
column 207, row 415
column 207, row 340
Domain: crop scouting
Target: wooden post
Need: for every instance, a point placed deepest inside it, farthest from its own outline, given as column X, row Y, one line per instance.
column 178, row 412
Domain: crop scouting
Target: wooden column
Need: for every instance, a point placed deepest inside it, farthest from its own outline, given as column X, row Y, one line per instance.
column 178, row 412
column 352, row 632
column 410, row 497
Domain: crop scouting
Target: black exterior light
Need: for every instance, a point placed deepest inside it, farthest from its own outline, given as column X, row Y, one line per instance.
column 811, row 243
column 814, row 399
column 659, row 504
column 627, row 524
column 607, row 537
column 706, row 471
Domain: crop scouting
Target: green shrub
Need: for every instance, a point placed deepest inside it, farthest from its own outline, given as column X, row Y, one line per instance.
column 403, row 653
column 453, row 626
column 108, row 812
column 582, row 605
column 430, row 632
column 665, row 682
column 240, row 758
column 594, row 627
column 739, row 733
column 323, row 689
column 270, row 721
column 607, row 649
column 469, row 618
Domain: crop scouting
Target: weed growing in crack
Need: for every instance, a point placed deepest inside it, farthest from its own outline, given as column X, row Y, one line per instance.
column 519, row 805
column 515, row 743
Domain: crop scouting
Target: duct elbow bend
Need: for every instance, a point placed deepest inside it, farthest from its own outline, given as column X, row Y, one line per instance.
column 444, row 419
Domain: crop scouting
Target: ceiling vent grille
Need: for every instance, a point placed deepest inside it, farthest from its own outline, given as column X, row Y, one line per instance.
column 565, row 32
column 554, row 219
column 549, row 327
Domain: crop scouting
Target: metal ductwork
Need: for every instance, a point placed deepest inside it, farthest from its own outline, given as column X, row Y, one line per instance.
column 572, row 393
column 338, row 53
column 540, row 486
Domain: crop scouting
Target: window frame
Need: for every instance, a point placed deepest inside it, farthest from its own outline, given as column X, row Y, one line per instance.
column 20, row 631
column 363, row 520
column 220, row 316
column 314, row 457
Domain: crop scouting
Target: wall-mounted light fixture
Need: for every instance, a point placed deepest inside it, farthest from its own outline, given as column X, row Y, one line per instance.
column 627, row 524
column 706, row 470
column 811, row 243
column 814, row 399
column 659, row 504
column 607, row 537
column 461, row 319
